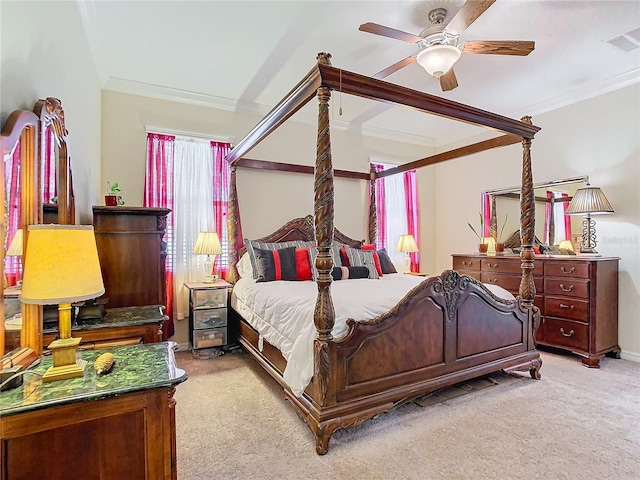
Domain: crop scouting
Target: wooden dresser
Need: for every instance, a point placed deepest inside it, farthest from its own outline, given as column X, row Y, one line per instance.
column 132, row 254
column 120, row 425
column 577, row 297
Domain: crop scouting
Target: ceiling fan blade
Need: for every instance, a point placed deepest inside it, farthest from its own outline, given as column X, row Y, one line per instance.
column 389, row 32
column 448, row 81
column 497, row 47
column 468, row 14
column 395, row 67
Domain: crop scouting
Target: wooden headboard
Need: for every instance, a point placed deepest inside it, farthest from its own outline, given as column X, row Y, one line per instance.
column 301, row 229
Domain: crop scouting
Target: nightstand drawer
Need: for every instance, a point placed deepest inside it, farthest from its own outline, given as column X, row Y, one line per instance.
column 566, row 308
column 565, row 333
column 215, row 337
column 209, row 318
column 209, row 298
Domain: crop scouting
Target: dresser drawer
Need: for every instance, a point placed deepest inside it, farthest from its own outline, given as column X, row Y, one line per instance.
column 209, row 318
column 568, row 287
column 566, row 269
column 566, row 308
column 209, row 298
column 510, row 265
column 466, row 263
column 565, row 333
column 509, row 282
column 215, row 337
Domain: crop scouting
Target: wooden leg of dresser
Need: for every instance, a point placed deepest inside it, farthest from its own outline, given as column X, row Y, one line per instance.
column 592, row 361
column 614, row 353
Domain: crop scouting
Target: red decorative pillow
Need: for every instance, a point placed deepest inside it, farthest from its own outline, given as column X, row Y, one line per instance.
column 344, row 257
column 303, row 266
column 536, row 250
column 376, row 258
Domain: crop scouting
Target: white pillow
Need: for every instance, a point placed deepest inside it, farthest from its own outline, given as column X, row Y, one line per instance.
column 244, row 266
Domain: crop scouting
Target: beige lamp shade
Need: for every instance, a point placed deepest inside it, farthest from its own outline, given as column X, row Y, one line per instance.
column 566, row 245
column 407, row 244
column 15, row 247
column 491, row 243
column 61, row 265
column 208, row 243
column 589, row 200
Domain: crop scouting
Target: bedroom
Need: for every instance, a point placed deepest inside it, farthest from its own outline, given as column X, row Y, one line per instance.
column 594, row 147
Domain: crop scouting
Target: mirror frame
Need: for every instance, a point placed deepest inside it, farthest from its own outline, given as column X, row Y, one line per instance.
column 515, row 192
column 23, row 127
column 51, row 113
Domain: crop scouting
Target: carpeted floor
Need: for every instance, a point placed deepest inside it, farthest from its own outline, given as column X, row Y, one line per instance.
column 575, row 423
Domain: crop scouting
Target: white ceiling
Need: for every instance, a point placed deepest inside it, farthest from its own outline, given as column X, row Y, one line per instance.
column 246, row 55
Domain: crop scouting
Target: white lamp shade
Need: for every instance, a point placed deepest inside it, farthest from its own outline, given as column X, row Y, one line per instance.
column 208, row 243
column 491, row 242
column 407, row 244
column 589, row 200
column 61, row 265
column 15, row 247
column 438, row 59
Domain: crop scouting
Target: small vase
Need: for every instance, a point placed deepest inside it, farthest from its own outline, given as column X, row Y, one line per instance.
column 499, row 247
column 112, row 200
column 482, row 247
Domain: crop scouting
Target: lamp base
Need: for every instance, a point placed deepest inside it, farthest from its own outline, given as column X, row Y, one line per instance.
column 65, row 363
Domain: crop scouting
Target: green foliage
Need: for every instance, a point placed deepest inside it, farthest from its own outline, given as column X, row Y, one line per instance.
column 499, row 239
column 481, row 229
column 113, row 189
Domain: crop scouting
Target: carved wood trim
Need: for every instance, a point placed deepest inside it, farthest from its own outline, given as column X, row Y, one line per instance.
column 527, row 289
column 233, row 221
column 373, row 213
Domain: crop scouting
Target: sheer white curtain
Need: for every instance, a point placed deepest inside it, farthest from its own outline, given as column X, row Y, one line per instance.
column 396, row 206
column 193, row 212
column 558, row 220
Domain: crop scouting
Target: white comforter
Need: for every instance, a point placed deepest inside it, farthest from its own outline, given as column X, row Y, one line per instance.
column 282, row 313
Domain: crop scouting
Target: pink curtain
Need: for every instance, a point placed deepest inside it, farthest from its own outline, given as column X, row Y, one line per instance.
column 413, row 225
column 381, row 212
column 49, row 176
column 13, row 265
column 486, row 215
column 158, row 192
column 567, row 219
column 221, row 178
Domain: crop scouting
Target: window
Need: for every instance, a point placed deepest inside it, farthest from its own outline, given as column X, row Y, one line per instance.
column 191, row 177
column 397, row 212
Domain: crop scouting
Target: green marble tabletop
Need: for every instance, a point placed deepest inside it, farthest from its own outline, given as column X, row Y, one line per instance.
column 137, row 367
column 121, row 316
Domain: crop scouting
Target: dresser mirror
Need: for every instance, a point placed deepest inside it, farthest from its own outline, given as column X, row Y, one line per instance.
column 19, row 144
column 501, row 212
column 56, row 180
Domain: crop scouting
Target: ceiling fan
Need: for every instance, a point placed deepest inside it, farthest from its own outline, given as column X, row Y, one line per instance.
column 440, row 47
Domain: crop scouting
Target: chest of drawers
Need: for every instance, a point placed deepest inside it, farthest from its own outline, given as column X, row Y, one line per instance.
column 577, row 298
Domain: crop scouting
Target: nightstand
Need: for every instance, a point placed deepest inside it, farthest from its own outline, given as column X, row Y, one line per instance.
column 208, row 313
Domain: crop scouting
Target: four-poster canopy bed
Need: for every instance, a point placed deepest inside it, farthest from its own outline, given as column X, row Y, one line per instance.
column 445, row 330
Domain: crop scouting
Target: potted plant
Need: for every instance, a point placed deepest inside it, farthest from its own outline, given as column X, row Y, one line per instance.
column 113, row 197
column 482, row 246
column 499, row 242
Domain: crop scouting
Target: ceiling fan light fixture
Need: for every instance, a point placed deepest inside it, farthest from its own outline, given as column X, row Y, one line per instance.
column 438, row 59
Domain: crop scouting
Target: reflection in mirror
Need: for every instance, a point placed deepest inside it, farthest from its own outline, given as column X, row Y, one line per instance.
column 56, row 180
column 20, row 134
column 501, row 212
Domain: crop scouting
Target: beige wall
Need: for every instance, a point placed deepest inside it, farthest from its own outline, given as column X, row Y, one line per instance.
column 599, row 137
column 45, row 54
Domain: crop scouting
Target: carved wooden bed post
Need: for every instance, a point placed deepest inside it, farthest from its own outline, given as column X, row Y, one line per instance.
column 233, row 221
column 373, row 214
column 527, row 224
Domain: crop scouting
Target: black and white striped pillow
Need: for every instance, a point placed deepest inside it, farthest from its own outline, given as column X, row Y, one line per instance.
column 251, row 244
column 363, row 258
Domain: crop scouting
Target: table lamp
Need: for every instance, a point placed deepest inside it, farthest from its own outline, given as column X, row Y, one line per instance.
column 62, row 266
column 208, row 243
column 15, row 249
column 588, row 201
column 407, row 244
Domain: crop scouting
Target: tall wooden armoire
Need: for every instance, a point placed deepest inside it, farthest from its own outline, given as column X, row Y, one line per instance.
column 132, row 254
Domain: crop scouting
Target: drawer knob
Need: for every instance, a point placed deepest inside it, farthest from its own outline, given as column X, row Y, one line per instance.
column 566, row 289
column 467, row 264
column 567, row 307
column 564, row 270
column 494, row 281
column 564, row 334
column 493, row 265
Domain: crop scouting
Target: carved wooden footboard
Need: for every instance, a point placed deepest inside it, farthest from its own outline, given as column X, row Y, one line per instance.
column 448, row 329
